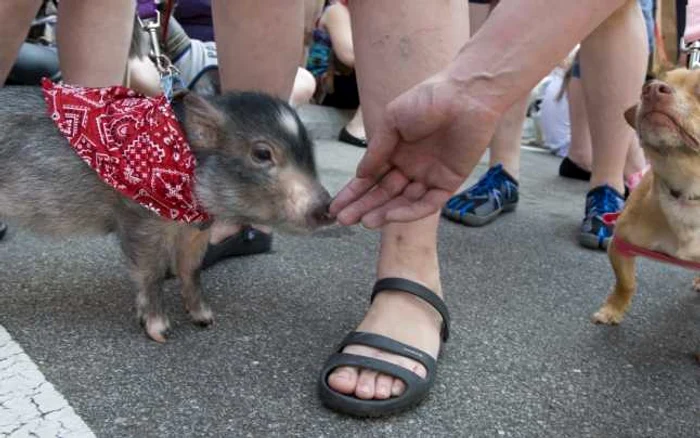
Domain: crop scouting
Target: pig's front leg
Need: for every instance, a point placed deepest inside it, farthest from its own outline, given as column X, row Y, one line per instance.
column 191, row 245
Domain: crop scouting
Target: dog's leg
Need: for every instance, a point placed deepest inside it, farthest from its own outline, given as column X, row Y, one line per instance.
column 696, row 283
column 145, row 244
column 191, row 245
column 625, row 285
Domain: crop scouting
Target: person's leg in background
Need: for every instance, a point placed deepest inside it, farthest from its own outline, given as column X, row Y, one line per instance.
column 93, row 40
column 18, row 17
column 579, row 160
column 260, row 47
column 304, row 87
column 497, row 190
column 260, row 44
column 636, row 163
column 408, row 54
column 613, row 63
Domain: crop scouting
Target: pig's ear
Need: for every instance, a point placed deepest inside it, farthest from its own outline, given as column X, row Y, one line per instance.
column 631, row 116
column 203, row 123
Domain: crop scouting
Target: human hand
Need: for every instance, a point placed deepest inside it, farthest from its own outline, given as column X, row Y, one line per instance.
column 424, row 148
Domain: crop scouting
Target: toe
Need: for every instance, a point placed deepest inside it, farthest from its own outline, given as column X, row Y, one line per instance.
column 365, row 384
column 343, row 380
column 382, row 387
column 418, row 369
column 397, row 388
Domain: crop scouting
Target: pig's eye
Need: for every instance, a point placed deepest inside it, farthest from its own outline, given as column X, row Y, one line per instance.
column 262, row 153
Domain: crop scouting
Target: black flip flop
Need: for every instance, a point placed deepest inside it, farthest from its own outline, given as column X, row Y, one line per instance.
column 3, row 230
column 247, row 241
column 417, row 388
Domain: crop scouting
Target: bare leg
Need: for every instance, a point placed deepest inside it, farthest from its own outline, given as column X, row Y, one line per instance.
column 356, row 125
column 613, row 62
column 93, row 40
column 505, row 143
column 18, row 16
column 581, row 150
column 304, row 87
column 413, row 45
column 260, row 44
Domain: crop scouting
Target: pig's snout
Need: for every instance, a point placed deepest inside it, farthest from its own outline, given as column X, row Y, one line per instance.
column 657, row 93
column 319, row 215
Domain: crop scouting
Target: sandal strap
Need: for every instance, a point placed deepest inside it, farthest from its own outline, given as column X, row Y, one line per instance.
column 417, row 388
column 389, row 345
column 422, row 292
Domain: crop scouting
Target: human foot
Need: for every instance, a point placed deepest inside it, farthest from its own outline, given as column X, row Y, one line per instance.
column 400, row 336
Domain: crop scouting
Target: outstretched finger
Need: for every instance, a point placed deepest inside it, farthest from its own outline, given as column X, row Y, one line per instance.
column 388, row 188
column 376, row 217
column 431, row 202
column 352, row 191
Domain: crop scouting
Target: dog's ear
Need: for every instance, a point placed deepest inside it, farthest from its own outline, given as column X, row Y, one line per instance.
column 203, row 122
column 631, row 116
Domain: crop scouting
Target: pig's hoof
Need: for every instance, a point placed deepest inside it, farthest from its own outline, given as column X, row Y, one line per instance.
column 696, row 284
column 203, row 317
column 607, row 315
column 157, row 327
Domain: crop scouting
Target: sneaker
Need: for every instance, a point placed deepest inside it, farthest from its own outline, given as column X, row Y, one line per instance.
column 595, row 233
column 495, row 193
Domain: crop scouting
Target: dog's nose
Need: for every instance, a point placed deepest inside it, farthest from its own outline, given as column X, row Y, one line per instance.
column 657, row 91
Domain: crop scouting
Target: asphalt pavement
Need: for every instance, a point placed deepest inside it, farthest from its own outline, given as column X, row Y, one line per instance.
column 523, row 360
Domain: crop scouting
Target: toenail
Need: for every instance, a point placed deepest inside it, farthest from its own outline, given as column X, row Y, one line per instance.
column 342, row 375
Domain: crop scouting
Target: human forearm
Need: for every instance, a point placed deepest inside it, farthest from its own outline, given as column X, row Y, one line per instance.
column 511, row 52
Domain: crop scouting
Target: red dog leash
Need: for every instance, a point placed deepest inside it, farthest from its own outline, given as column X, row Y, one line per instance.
column 631, row 250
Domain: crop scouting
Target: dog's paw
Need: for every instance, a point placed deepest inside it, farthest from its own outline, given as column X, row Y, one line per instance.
column 203, row 316
column 157, row 327
column 696, row 284
column 607, row 315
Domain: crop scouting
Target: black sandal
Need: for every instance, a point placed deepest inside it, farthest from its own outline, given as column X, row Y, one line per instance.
column 417, row 388
column 3, row 230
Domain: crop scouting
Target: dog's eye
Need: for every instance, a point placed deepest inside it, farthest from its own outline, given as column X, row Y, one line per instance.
column 262, row 153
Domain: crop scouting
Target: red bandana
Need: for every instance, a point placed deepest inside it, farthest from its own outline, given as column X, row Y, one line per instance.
column 133, row 142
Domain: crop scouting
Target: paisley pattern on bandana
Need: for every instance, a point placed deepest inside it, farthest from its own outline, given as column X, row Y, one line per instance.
column 133, row 142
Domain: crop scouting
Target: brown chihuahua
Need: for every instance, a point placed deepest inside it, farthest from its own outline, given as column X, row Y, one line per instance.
column 661, row 218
